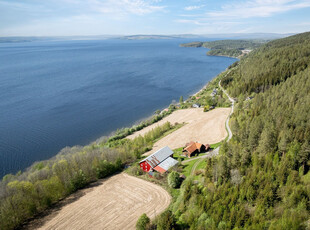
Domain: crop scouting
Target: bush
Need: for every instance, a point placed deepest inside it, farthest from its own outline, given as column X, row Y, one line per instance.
column 143, row 222
column 135, row 170
column 174, row 179
column 206, row 108
column 78, row 180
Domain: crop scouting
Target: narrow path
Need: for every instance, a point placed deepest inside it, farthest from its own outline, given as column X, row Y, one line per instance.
column 210, row 154
column 231, row 112
column 195, row 166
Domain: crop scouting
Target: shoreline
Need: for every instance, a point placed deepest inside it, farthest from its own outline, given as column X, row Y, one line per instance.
column 87, row 149
column 114, row 132
column 210, row 49
column 67, row 202
column 224, row 56
column 206, row 85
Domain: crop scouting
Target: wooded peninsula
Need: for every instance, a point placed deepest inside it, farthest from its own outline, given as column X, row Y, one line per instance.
column 229, row 48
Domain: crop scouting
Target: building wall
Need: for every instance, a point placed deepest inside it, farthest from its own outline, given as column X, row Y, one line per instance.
column 145, row 166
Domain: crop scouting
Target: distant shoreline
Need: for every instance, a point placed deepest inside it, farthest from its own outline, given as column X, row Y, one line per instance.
column 227, row 48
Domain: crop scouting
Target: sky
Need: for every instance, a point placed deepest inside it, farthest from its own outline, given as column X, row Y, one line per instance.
column 165, row 17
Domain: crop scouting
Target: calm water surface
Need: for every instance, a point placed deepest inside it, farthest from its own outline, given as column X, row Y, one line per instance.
column 64, row 93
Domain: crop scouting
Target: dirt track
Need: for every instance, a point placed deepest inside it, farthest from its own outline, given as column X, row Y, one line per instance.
column 115, row 204
column 207, row 128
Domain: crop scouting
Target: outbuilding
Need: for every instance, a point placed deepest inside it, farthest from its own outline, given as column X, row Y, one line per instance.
column 159, row 161
column 193, row 148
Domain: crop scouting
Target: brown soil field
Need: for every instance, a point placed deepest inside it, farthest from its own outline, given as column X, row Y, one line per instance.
column 204, row 127
column 116, row 203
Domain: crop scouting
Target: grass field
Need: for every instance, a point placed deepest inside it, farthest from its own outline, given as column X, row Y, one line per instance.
column 188, row 167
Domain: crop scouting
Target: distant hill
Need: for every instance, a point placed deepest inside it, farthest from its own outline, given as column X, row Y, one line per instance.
column 253, row 36
column 142, row 37
column 264, row 36
column 53, row 38
column 139, row 37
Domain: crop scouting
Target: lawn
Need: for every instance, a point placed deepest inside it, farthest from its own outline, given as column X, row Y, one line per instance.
column 187, row 167
column 214, row 146
column 202, row 164
column 178, row 154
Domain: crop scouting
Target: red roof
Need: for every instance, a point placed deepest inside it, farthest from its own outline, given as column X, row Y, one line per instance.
column 190, row 143
column 193, row 147
column 159, row 169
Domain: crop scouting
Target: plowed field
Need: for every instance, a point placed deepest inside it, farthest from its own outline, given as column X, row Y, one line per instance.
column 115, row 204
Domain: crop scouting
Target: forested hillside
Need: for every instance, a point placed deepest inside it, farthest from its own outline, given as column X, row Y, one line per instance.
column 231, row 48
column 234, row 44
column 270, row 65
column 261, row 179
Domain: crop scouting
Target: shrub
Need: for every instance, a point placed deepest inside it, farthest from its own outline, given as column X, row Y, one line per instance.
column 206, row 108
column 143, row 222
column 174, row 179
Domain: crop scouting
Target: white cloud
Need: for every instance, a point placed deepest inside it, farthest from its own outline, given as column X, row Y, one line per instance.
column 190, row 8
column 204, row 22
column 189, row 21
column 257, row 8
column 124, row 7
column 232, row 16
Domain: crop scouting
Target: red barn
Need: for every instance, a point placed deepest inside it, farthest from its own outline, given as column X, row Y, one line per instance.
column 159, row 161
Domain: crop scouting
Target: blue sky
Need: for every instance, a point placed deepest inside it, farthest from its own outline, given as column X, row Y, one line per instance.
column 127, row 17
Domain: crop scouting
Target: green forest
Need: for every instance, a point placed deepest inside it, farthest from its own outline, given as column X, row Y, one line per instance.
column 233, row 44
column 261, row 178
column 230, row 48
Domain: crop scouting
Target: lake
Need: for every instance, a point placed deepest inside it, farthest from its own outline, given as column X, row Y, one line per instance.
column 63, row 93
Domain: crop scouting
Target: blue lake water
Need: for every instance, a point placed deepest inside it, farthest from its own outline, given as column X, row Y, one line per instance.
column 65, row 93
